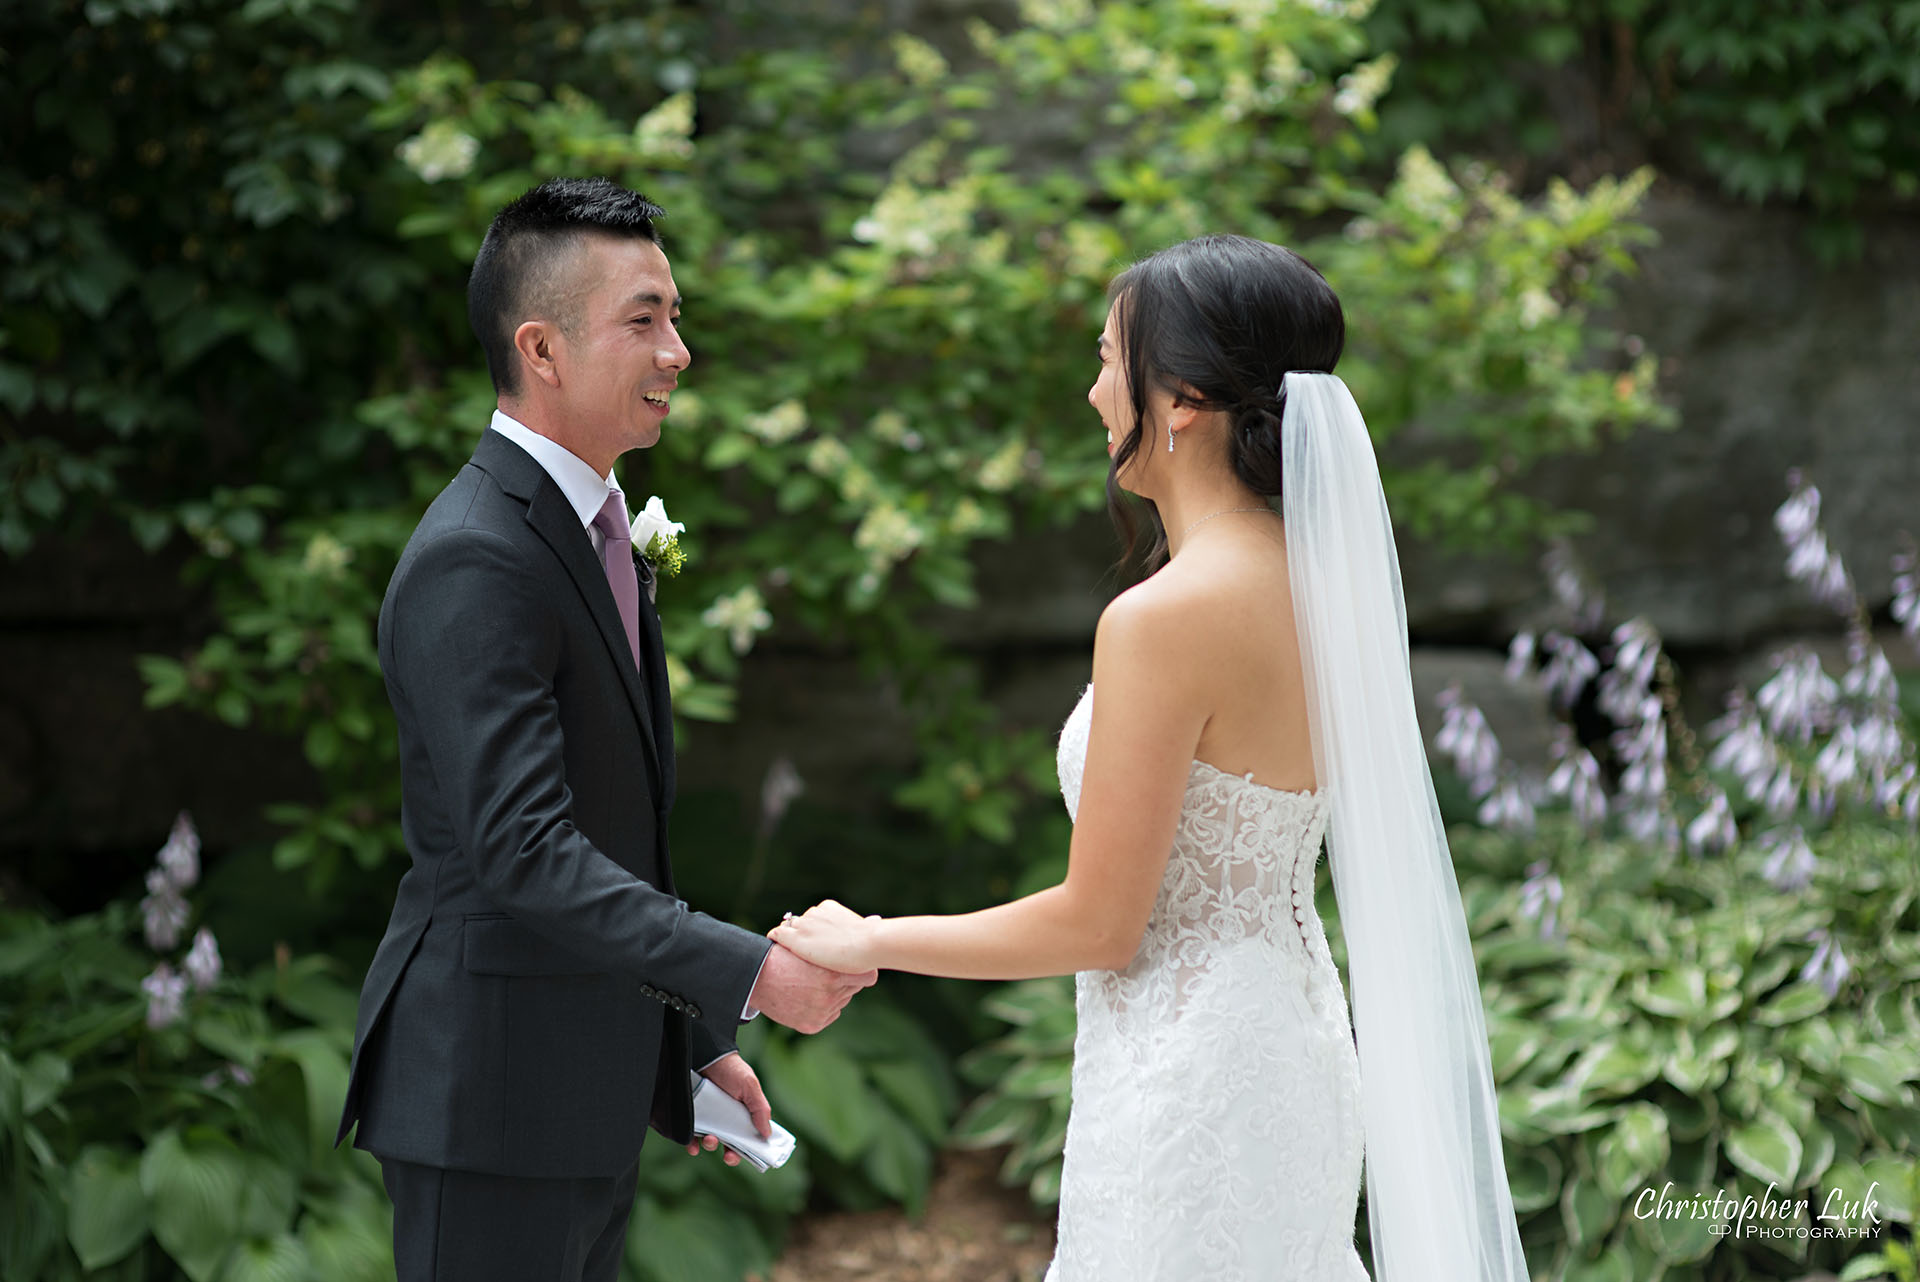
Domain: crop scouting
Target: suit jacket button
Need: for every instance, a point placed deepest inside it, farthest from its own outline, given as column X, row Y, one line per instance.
column 694, row 1011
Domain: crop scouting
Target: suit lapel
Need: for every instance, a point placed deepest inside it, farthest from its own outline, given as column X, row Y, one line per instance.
column 558, row 525
column 653, row 651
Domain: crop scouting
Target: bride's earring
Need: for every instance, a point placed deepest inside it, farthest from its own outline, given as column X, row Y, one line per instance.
column 1169, row 440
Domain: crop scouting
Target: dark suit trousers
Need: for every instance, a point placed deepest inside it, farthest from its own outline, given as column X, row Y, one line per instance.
column 464, row 1226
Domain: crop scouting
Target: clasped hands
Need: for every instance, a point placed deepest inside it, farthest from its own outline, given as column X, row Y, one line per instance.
column 809, row 976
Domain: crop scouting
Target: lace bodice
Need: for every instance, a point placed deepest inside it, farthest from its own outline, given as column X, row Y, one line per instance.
column 1216, row 1127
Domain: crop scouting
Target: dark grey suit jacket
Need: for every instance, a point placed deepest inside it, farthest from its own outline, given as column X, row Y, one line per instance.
column 541, row 992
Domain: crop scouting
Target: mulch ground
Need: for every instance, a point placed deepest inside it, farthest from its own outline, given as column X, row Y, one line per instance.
column 973, row 1230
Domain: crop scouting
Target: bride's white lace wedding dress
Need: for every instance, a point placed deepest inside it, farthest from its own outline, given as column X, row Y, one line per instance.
column 1216, row 1129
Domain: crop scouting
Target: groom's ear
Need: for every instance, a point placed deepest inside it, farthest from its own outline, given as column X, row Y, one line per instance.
column 534, row 342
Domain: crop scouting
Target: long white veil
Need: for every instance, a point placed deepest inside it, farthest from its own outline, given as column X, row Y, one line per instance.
column 1437, row 1197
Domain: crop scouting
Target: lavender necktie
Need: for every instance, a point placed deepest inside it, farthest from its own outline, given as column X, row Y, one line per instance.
column 616, row 558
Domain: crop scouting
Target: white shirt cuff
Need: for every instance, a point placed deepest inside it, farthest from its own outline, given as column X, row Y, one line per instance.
column 747, row 1012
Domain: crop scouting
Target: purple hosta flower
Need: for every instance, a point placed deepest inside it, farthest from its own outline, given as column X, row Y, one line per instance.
column 235, row 1073
column 1507, row 807
column 163, row 913
column 1520, row 656
column 1626, row 686
column 1899, row 792
column 1790, row 860
column 1871, row 678
column 1712, row 830
column 1838, row 764
column 1577, row 595
column 1799, row 698
column 1576, row 776
column 179, row 859
column 1644, row 749
column 202, row 962
column 1828, row 966
column 1742, row 747
column 1906, row 594
column 1569, row 667
column 1651, row 825
column 1465, row 737
column 1781, row 796
column 1809, row 559
column 1540, row 896
column 780, row 789
column 165, row 991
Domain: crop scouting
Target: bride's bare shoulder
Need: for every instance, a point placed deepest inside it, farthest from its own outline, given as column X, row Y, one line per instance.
column 1167, row 608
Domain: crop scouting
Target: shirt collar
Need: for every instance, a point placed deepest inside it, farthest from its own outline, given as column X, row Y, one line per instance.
column 586, row 493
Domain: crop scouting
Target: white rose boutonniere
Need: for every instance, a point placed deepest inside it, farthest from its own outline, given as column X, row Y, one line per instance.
column 656, row 538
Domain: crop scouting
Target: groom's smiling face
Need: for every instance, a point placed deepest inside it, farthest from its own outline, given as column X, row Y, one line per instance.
column 619, row 353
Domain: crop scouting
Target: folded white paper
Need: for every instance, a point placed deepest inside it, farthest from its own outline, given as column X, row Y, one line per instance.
column 720, row 1115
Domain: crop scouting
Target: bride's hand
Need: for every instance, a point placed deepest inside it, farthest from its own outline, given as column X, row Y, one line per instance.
column 831, row 935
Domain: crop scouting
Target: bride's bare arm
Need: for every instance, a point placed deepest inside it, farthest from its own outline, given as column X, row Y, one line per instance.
column 1148, row 712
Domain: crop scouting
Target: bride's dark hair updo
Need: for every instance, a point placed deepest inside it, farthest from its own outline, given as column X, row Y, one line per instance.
column 1217, row 321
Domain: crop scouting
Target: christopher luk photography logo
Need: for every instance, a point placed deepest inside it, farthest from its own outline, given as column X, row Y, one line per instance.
column 1766, row 1216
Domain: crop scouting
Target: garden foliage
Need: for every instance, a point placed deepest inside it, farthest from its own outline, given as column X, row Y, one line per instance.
column 1768, row 100
column 235, row 240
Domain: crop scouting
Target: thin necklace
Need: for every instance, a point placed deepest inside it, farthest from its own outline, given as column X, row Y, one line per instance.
column 1222, row 512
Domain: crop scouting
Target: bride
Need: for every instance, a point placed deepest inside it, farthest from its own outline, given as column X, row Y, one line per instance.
column 1253, row 698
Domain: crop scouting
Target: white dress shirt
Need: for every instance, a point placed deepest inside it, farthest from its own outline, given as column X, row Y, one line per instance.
column 586, row 493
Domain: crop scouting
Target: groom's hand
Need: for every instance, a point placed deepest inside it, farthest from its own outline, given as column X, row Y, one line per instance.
column 801, row 995
column 733, row 1075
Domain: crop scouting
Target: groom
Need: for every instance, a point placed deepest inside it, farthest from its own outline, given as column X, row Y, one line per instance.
column 541, row 994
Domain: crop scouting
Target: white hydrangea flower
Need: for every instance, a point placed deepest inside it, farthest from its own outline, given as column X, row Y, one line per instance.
column 667, row 130
column 1359, row 89
column 887, row 534
column 914, row 223
column 968, row 518
column 741, row 615
column 326, row 556
column 1001, row 472
column 780, row 424
column 918, row 61
column 828, row 457
column 1536, row 306
column 1423, row 185
column 439, row 151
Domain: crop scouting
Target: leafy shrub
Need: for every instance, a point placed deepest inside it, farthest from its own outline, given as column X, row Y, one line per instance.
column 1769, row 99
column 201, row 1148
column 1691, row 1025
column 882, row 392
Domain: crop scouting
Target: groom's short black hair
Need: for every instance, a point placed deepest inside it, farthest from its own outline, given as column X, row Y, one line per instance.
column 520, row 269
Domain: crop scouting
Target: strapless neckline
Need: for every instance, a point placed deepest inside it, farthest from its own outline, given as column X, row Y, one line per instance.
column 1305, row 795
